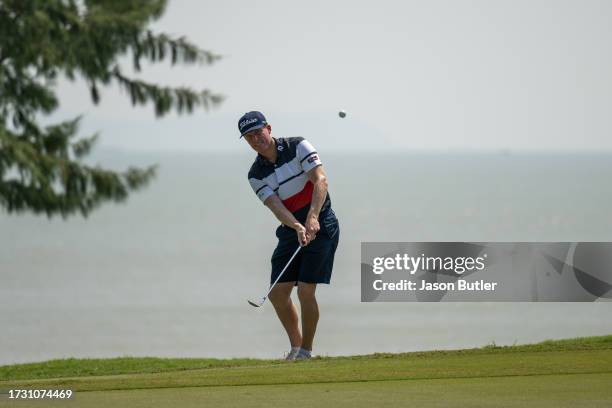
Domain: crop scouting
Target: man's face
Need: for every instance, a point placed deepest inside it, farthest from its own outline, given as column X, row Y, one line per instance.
column 261, row 139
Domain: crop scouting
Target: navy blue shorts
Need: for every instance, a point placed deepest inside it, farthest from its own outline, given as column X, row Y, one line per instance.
column 314, row 262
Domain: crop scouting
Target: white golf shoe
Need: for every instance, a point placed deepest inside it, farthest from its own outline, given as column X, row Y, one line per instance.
column 303, row 355
column 292, row 354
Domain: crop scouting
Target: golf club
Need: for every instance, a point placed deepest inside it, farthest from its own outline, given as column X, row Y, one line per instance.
column 263, row 299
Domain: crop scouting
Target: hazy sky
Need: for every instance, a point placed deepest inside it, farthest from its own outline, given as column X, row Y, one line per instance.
column 411, row 75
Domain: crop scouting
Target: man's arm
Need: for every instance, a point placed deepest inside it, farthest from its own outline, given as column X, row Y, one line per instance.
column 319, row 180
column 285, row 216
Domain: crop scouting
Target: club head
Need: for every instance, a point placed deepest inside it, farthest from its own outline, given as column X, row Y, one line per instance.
column 253, row 303
column 257, row 304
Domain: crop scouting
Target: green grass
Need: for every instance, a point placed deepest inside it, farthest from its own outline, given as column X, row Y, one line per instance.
column 572, row 372
column 73, row 367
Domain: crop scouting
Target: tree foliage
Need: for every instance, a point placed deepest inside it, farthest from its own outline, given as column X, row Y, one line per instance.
column 42, row 168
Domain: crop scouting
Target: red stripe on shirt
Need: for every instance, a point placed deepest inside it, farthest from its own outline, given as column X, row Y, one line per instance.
column 301, row 199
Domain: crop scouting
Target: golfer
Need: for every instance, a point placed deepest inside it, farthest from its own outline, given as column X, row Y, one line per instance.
column 288, row 177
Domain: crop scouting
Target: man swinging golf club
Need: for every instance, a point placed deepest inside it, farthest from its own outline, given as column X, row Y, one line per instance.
column 288, row 178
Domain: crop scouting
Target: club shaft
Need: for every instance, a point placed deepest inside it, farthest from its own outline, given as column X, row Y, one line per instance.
column 283, row 271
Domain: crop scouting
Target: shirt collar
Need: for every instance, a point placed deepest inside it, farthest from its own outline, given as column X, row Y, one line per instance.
column 265, row 162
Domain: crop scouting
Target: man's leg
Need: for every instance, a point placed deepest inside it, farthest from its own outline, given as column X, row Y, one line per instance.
column 310, row 312
column 286, row 311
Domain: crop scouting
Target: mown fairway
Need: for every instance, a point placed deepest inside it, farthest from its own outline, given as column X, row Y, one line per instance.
column 567, row 373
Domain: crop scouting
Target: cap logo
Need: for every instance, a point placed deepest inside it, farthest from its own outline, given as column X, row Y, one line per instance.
column 248, row 122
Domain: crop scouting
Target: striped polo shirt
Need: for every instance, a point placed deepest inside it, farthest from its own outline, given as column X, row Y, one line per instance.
column 287, row 177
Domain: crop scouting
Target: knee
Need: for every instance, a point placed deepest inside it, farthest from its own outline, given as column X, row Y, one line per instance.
column 278, row 297
column 306, row 293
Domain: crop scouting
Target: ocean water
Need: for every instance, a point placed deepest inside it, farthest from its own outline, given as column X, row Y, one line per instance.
column 168, row 272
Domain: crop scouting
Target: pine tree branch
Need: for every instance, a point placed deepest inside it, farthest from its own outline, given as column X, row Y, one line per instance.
column 24, row 94
column 165, row 98
column 58, row 184
column 156, row 48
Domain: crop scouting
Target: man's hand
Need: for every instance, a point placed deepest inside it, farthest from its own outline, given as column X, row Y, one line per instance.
column 302, row 235
column 312, row 226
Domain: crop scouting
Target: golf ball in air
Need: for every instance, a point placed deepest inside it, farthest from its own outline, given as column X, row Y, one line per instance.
column 342, row 113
